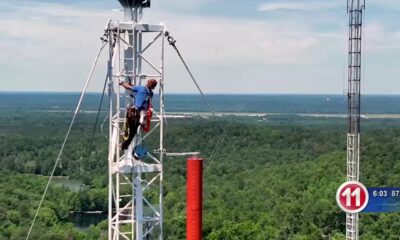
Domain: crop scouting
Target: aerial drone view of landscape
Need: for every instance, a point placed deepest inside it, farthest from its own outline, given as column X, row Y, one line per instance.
column 215, row 119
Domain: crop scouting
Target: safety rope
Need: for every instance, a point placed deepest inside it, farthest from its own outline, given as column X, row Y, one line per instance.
column 172, row 42
column 104, row 43
column 98, row 113
column 94, row 131
column 102, row 127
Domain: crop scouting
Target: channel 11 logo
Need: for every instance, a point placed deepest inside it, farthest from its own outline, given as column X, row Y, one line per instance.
column 352, row 197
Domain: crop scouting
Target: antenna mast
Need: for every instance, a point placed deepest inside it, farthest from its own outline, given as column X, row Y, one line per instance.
column 135, row 181
column 355, row 10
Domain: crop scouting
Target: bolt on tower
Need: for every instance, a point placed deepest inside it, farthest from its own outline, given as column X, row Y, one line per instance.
column 355, row 10
column 135, row 183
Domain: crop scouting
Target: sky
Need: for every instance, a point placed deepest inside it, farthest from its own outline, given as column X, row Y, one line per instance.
column 231, row 46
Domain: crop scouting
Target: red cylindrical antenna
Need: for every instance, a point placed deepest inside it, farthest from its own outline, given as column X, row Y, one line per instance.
column 194, row 198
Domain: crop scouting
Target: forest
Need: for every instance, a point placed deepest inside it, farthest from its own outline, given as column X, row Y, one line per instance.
column 272, row 178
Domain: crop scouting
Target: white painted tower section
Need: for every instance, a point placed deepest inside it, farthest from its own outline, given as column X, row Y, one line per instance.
column 135, row 185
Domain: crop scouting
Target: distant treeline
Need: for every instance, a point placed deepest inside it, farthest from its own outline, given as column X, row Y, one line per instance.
column 220, row 103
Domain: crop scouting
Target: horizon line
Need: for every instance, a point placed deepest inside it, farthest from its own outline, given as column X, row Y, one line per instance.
column 194, row 93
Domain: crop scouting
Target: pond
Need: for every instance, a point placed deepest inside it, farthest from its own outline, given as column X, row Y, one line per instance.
column 81, row 220
column 64, row 181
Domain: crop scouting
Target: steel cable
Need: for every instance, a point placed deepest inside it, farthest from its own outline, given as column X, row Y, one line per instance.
column 94, row 129
column 172, row 42
column 66, row 137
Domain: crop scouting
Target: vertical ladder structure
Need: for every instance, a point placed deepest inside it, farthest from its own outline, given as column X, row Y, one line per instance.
column 355, row 10
column 135, row 184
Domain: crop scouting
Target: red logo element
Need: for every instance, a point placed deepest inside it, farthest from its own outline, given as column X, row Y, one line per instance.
column 352, row 197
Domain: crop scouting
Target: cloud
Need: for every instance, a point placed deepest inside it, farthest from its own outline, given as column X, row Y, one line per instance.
column 299, row 6
column 282, row 6
column 379, row 38
column 51, row 46
column 186, row 3
column 221, row 41
column 54, row 44
column 218, row 40
column 51, row 27
column 387, row 4
column 60, row 40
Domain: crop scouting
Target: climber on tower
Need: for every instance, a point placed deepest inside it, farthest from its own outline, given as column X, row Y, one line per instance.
column 136, row 114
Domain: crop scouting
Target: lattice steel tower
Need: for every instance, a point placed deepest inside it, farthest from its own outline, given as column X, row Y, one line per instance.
column 355, row 10
column 135, row 184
